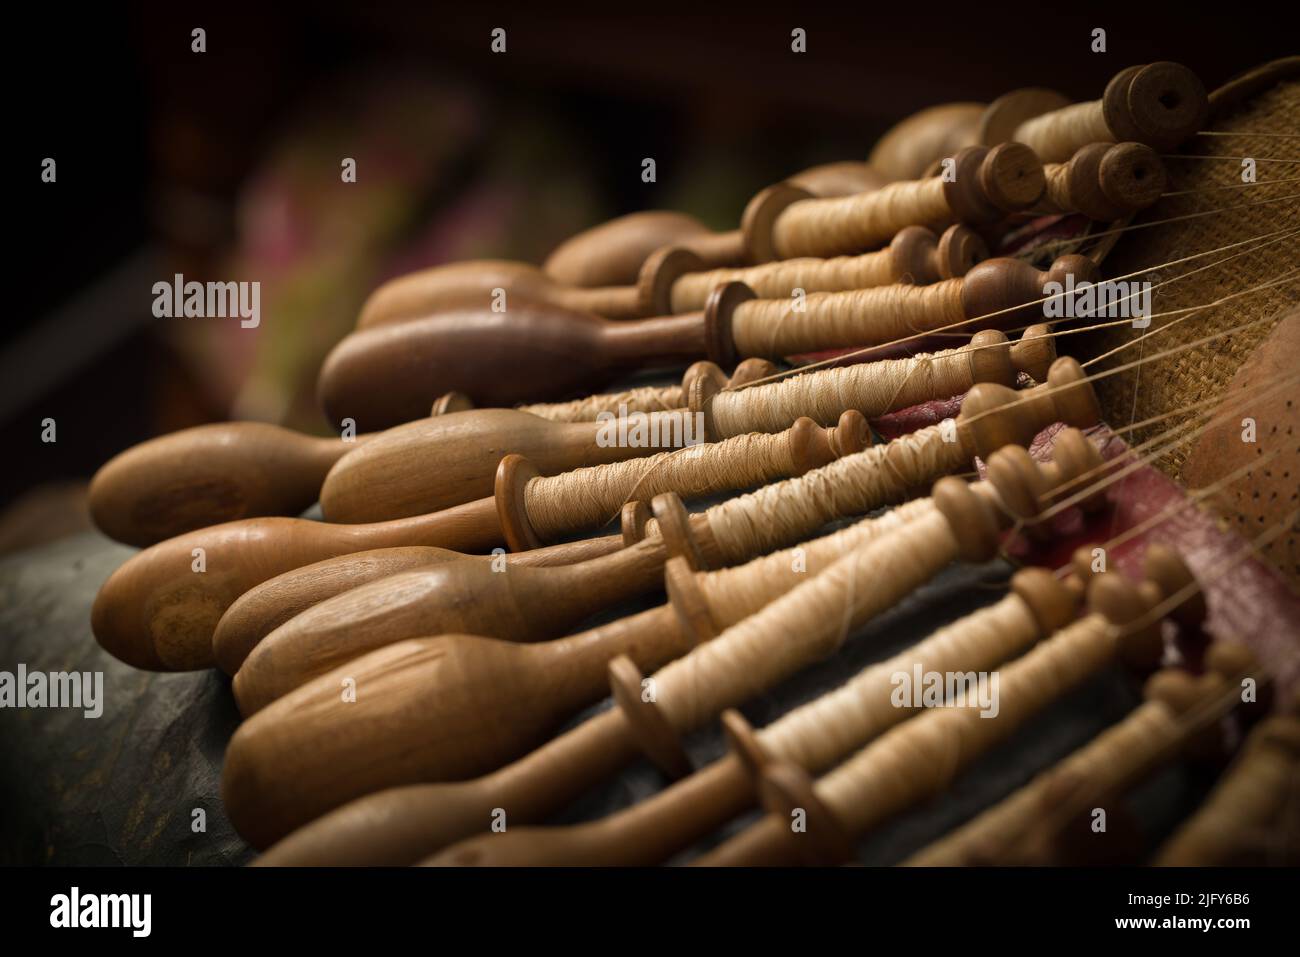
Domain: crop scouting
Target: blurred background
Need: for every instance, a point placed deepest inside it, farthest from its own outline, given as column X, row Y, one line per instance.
column 225, row 165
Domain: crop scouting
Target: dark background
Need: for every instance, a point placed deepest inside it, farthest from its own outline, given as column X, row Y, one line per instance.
column 156, row 145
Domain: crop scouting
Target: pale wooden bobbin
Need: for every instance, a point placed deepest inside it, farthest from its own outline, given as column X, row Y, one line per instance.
column 492, row 283
column 922, row 756
column 1105, row 182
column 876, row 388
column 1024, row 827
column 613, row 253
column 985, row 185
column 639, row 399
column 1159, row 105
column 210, row 474
column 915, row 255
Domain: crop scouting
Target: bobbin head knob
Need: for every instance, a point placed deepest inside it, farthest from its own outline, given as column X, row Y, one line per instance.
column 674, row 523
column 689, row 602
column 632, row 521
column 959, row 251
column 1132, row 176
column 718, row 308
column 514, row 472
column 988, row 183
column 1107, row 181
column 989, row 356
column 912, row 256
column 1052, row 602
column 993, row 416
column 662, row 268
column 992, row 291
column 972, row 518
column 1034, row 352
column 757, row 223
column 751, row 370
column 1160, row 104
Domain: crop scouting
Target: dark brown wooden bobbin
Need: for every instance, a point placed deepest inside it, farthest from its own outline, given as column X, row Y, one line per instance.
column 647, row 725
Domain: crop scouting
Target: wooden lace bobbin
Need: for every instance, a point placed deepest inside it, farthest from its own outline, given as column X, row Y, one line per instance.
column 613, row 253
column 434, row 463
column 156, row 612
column 209, row 474
column 986, row 185
column 874, row 388
column 813, row 737
column 920, row 757
column 535, row 509
column 160, row 590
column 810, row 622
column 908, row 148
column 831, row 320
column 263, row 608
column 1113, row 762
column 915, row 255
column 159, row 609
column 489, row 699
column 530, row 351
column 527, row 604
column 1105, row 182
column 1250, row 817
column 992, row 416
column 650, row 398
column 1158, row 105
column 483, row 283
column 541, row 351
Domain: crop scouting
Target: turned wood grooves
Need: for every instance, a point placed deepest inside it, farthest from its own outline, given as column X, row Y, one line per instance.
column 541, row 351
